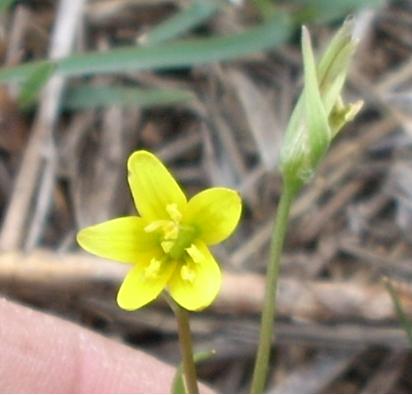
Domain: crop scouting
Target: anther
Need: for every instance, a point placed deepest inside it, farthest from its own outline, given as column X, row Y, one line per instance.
column 153, row 226
column 170, row 231
column 195, row 254
column 174, row 212
column 167, row 245
column 152, row 270
column 187, row 274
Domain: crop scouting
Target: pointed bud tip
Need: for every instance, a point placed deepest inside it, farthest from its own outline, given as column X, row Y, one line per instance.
column 353, row 110
column 305, row 33
column 348, row 28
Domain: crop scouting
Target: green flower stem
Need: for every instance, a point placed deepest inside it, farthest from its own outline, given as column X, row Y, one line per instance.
column 269, row 304
column 186, row 349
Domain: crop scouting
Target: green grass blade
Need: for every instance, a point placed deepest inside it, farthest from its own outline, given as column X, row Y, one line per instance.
column 405, row 321
column 324, row 11
column 22, row 72
column 86, row 97
column 266, row 8
column 175, row 55
column 5, row 5
column 178, row 385
column 34, row 83
column 185, row 20
column 178, row 54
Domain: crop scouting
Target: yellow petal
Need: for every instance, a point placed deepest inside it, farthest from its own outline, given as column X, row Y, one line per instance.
column 120, row 239
column 194, row 285
column 215, row 212
column 153, row 187
column 143, row 284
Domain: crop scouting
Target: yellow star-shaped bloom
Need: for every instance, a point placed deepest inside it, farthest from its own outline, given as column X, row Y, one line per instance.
column 167, row 243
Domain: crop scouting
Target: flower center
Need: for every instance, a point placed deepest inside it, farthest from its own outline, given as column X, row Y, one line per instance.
column 175, row 237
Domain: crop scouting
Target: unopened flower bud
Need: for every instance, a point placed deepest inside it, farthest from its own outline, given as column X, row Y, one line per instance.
column 320, row 112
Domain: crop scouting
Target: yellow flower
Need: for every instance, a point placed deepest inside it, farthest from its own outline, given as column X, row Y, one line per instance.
column 167, row 243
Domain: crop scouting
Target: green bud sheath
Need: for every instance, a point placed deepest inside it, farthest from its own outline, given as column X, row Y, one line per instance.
column 320, row 112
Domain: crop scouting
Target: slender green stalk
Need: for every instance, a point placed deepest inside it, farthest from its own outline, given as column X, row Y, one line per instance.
column 186, row 348
column 269, row 304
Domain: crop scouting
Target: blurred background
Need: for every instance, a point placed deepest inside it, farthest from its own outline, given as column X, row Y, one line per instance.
column 209, row 86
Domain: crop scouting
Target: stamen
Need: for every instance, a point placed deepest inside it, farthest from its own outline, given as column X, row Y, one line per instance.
column 169, row 228
column 187, row 273
column 167, row 246
column 170, row 231
column 152, row 271
column 153, row 226
column 195, row 254
column 174, row 212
